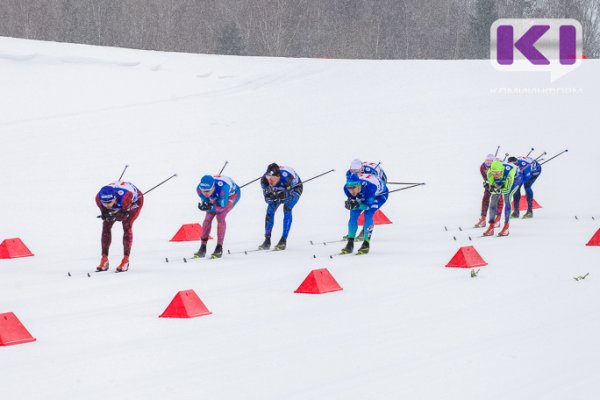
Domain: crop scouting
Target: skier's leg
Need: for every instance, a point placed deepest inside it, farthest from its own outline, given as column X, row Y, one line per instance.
column 207, row 226
column 485, row 202
column 493, row 207
column 289, row 204
column 222, row 218
column 128, row 229
column 353, row 223
column 270, row 217
column 106, row 236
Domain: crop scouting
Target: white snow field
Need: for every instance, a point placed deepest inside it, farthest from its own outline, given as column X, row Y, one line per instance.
column 404, row 327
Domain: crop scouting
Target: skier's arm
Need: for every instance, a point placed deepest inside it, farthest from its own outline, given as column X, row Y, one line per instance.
column 508, row 184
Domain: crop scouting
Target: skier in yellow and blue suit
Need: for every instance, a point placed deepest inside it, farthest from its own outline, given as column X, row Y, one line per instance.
column 501, row 179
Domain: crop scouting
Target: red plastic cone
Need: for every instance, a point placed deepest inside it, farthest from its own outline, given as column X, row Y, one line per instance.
column 13, row 248
column 188, row 233
column 12, row 331
column 523, row 204
column 466, row 257
column 318, row 281
column 378, row 219
column 185, row 304
column 595, row 240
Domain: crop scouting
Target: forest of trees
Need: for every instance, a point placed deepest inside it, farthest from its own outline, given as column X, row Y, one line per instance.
column 374, row 29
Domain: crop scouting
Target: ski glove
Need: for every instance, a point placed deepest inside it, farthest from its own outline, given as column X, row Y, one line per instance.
column 271, row 195
column 204, row 206
column 495, row 190
column 351, row 204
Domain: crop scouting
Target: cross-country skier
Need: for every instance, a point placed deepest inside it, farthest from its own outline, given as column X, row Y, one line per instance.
column 501, row 179
column 485, row 201
column 280, row 185
column 529, row 170
column 366, row 193
column 122, row 202
column 360, row 167
column 218, row 196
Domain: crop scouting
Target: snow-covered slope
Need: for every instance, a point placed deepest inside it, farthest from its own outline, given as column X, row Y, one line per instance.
column 403, row 327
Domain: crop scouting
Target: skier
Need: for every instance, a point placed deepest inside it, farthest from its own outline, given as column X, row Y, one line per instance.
column 485, row 201
column 122, row 202
column 360, row 167
column 529, row 170
column 366, row 192
column 218, row 195
column 501, row 179
column 280, row 185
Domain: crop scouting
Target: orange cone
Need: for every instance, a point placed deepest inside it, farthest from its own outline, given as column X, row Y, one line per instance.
column 188, row 233
column 185, row 304
column 595, row 240
column 523, row 204
column 12, row 331
column 318, row 281
column 13, row 248
column 378, row 219
column 466, row 257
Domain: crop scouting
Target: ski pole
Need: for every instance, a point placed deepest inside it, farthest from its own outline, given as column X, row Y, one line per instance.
column 408, row 187
column 123, row 173
column 404, row 183
column 540, row 156
column 314, row 177
column 552, row 158
column 532, row 149
column 252, row 181
column 224, row 165
column 497, row 149
column 151, row 189
column 505, row 155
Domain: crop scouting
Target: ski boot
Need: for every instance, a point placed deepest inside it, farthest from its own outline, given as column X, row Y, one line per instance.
column 481, row 223
column 364, row 249
column 266, row 245
column 490, row 230
column 218, row 253
column 201, row 252
column 349, row 247
column 124, row 266
column 103, row 264
column 528, row 214
column 515, row 214
column 280, row 245
column 504, row 231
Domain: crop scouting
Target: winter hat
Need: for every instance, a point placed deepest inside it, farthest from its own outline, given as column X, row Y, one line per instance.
column 273, row 170
column 497, row 166
column 207, row 182
column 356, row 165
column 107, row 194
column 353, row 180
column 512, row 159
column 490, row 157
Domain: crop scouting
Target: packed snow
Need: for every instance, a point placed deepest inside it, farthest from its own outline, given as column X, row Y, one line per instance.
column 404, row 326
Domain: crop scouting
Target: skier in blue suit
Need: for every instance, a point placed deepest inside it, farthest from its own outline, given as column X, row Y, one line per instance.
column 529, row 171
column 366, row 192
column 280, row 185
